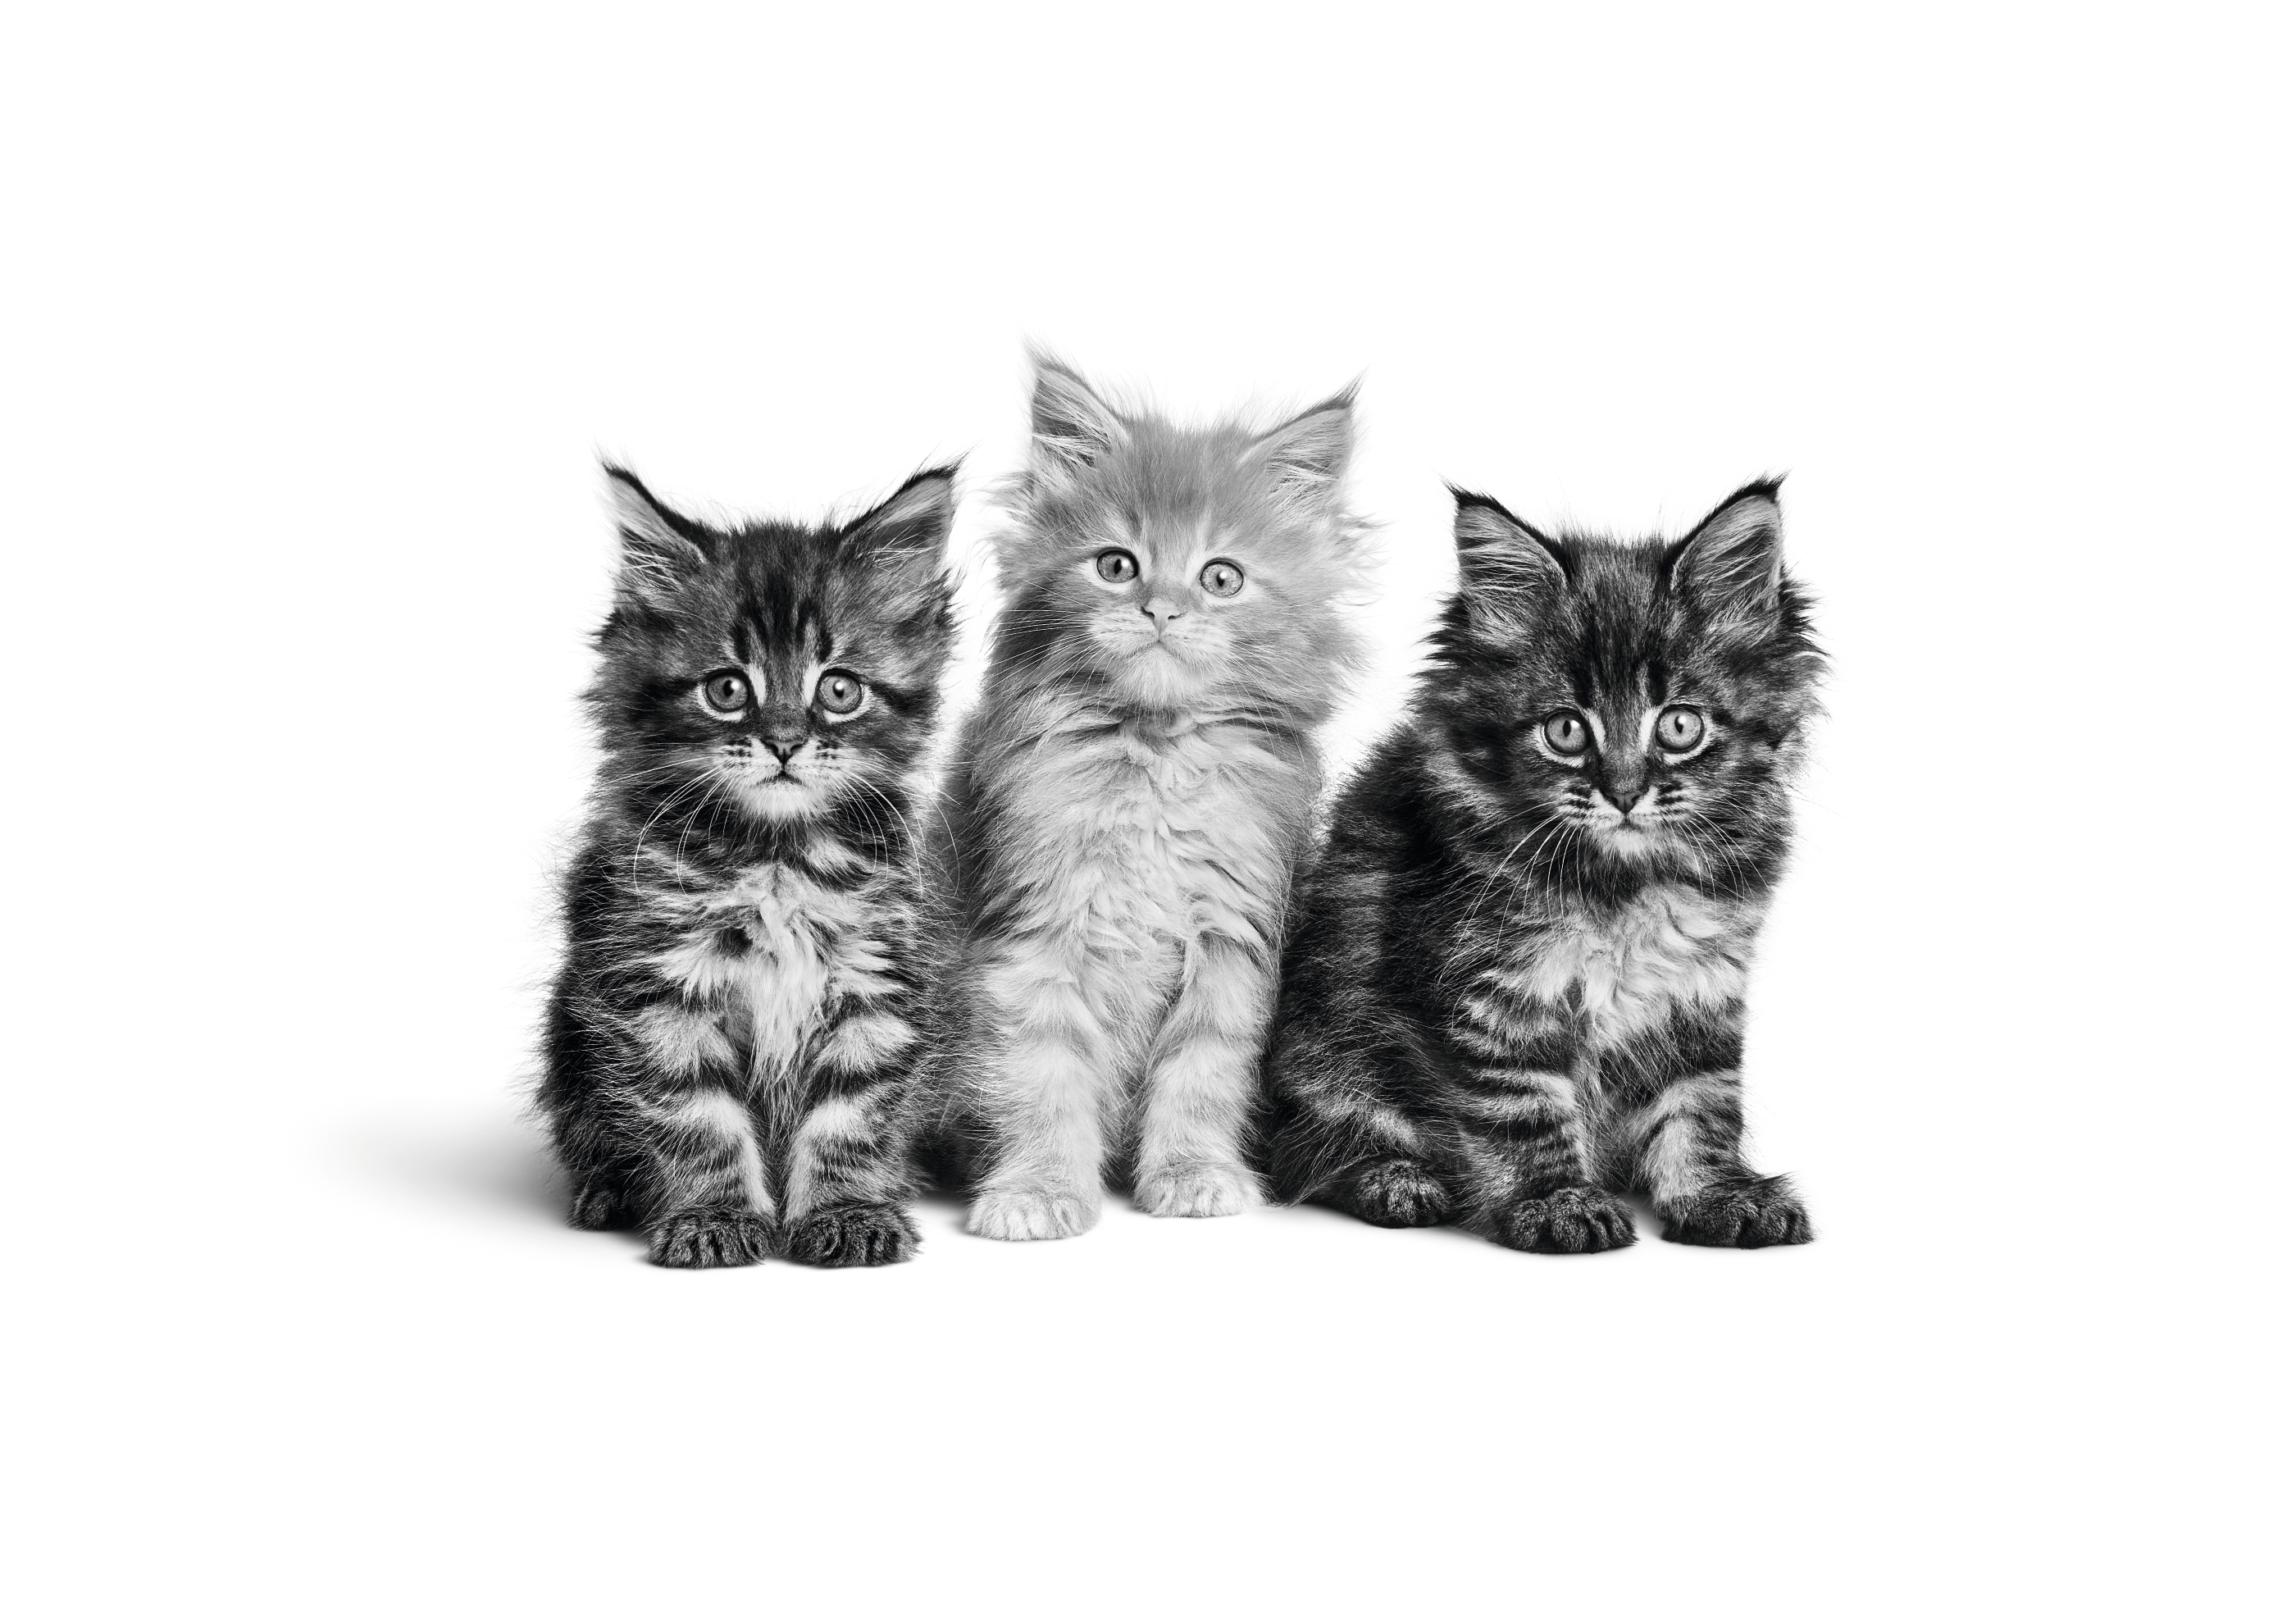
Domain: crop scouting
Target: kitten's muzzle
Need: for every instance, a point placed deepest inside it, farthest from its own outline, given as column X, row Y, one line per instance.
column 1622, row 799
column 784, row 733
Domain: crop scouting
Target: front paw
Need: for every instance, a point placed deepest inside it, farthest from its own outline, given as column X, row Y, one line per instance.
column 710, row 1237
column 1396, row 1193
column 1031, row 1215
column 1215, row 1190
column 853, row 1237
column 1762, row 1212
column 1580, row 1218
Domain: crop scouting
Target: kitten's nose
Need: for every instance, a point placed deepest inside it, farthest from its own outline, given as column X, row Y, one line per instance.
column 1161, row 611
column 782, row 734
column 1624, row 797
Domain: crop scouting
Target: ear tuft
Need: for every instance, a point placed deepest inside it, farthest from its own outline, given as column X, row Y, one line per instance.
column 1072, row 427
column 1509, row 574
column 918, row 515
column 660, row 547
column 1308, row 456
column 1735, row 561
column 905, row 537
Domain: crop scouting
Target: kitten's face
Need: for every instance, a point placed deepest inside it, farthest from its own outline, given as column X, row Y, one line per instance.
column 785, row 671
column 1637, row 705
column 1176, row 568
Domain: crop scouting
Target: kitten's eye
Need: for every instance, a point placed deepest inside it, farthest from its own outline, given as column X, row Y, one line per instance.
column 1566, row 733
column 1117, row 565
column 725, row 691
column 1679, row 728
column 839, row 693
column 1222, row 579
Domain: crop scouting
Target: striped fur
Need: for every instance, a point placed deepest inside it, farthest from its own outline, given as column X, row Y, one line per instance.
column 732, row 1038
column 1133, row 797
column 1507, row 1001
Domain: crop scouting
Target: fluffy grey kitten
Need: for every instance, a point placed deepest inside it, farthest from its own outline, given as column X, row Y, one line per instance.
column 1134, row 789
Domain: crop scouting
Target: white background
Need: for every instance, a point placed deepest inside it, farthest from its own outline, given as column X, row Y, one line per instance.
column 316, row 321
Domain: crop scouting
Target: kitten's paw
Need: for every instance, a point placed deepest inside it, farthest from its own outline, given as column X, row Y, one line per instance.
column 710, row 1237
column 1581, row 1218
column 1765, row 1212
column 1031, row 1215
column 1396, row 1193
column 853, row 1237
column 599, row 1203
column 1213, row 1190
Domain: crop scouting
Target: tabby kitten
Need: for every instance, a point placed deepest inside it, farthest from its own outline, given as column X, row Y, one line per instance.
column 730, row 1041
column 1134, row 792
column 1516, row 990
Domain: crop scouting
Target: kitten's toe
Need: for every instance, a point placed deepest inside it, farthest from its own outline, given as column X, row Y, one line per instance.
column 599, row 1203
column 710, row 1237
column 1580, row 1218
column 1031, row 1215
column 853, row 1237
column 1219, row 1190
column 1762, row 1212
column 1397, row 1193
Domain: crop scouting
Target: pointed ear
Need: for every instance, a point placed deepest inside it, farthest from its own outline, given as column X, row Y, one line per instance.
column 1509, row 576
column 660, row 548
column 906, row 535
column 1071, row 428
column 1308, row 456
column 1734, row 561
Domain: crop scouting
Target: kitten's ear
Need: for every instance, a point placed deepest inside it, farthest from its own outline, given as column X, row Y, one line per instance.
column 1734, row 563
column 1509, row 576
column 1071, row 428
column 661, row 548
column 1308, row 456
column 906, row 535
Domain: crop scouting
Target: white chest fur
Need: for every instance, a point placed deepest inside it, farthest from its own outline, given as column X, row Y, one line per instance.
column 775, row 951
column 1624, row 968
column 1157, row 840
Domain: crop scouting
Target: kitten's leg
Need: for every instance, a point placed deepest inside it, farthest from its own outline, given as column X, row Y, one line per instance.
column 1039, row 1099
column 1197, row 1098
column 1685, row 1145
column 707, row 1170
column 1344, row 1093
column 1525, row 1131
column 579, row 1099
column 850, row 1172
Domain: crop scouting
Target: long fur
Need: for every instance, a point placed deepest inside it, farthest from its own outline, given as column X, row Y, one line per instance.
column 745, row 997
column 1507, row 1003
column 1132, row 798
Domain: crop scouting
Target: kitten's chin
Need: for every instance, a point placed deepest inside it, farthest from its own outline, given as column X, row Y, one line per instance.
column 1154, row 675
column 1633, row 845
column 780, row 801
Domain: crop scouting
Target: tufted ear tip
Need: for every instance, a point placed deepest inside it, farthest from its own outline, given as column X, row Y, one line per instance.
column 1734, row 561
column 1307, row 456
column 659, row 546
column 904, row 540
column 1071, row 426
column 921, row 510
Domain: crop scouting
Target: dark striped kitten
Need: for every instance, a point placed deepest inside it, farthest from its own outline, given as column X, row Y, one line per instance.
column 1516, row 988
column 730, row 1040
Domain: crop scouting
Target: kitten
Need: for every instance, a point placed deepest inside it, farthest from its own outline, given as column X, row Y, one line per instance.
column 1517, row 988
column 730, row 1041
column 1134, row 794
